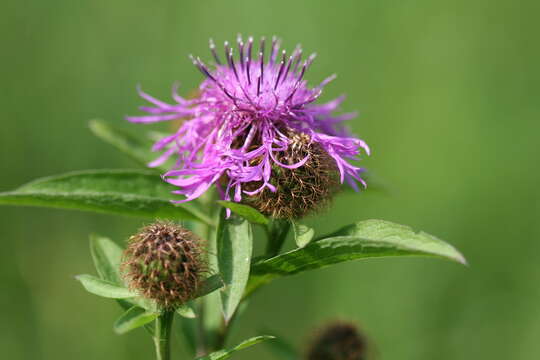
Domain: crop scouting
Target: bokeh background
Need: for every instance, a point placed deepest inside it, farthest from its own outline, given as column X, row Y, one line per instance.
column 448, row 95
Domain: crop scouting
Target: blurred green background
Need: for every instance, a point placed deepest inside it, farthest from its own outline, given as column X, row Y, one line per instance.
column 448, row 95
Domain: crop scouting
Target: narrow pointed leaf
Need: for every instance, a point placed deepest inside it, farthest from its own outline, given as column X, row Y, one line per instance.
column 140, row 193
column 133, row 318
column 144, row 303
column 136, row 147
column 226, row 353
column 362, row 240
column 211, row 284
column 107, row 257
column 235, row 246
column 302, row 234
column 104, row 288
column 126, row 305
column 247, row 212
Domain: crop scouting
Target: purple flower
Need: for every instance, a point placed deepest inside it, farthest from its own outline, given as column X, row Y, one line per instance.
column 242, row 120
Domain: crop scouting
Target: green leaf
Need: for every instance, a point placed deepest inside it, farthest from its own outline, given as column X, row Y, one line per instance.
column 226, row 353
column 104, row 288
column 126, row 305
column 133, row 318
column 187, row 311
column 362, row 240
column 302, row 234
column 235, row 246
column 107, row 256
column 211, row 284
column 147, row 304
column 245, row 211
column 136, row 147
column 139, row 193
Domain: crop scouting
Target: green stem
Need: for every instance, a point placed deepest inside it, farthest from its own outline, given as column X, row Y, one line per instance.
column 209, row 312
column 226, row 329
column 162, row 335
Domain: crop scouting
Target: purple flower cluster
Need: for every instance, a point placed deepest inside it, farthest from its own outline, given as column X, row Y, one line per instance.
column 246, row 108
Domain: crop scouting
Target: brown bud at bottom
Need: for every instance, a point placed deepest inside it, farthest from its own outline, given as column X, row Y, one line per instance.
column 299, row 191
column 164, row 262
column 338, row 341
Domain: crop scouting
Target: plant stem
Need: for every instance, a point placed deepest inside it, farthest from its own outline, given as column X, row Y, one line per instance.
column 162, row 335
column 209, row 312
column 225, row 330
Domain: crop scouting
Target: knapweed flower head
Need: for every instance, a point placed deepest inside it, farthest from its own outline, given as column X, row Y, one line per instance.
column 254, row 129
column 164, row 262
column 338, row 341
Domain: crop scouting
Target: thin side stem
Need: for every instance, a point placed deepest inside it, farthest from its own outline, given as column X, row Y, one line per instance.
column 162, row 336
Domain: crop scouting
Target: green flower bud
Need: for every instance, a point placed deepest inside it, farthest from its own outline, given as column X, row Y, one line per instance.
column 165, row 262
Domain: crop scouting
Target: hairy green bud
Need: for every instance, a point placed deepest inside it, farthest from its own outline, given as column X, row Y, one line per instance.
column 164, row 262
